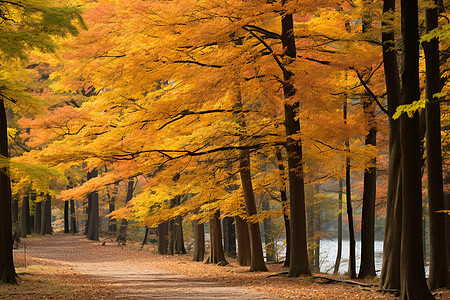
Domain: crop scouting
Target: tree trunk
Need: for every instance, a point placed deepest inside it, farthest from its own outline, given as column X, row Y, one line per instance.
column 339, row 249
column 298, row 264
column 25, row 216
column 284, row 204
column 199, row 240
column 15, row 221
column 438, row 277
column 73, row 219
column 412, row 276
column 317, row 228
column 144, row 241
column 33, row 209
column 112, row 207
column 122, row 237
column 390, row 271
column 163, row 238
column 348, row 193
column 229, row 237
column 7, row 271
column 93, row 217
column 88, row 206
column 216, row 256
column 243, row 241
column 178, row 237
column 46, row 221
column 66, row 217
column 269, row 234
column 38, row 217
column 367, row 268
column 257, row 256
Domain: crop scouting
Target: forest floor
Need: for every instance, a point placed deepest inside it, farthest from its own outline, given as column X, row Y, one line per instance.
column 71, row 267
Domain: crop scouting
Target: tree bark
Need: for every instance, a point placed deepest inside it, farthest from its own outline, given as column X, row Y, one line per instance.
column 339, row 223
column 112, row 207
column 163, row 238
column 38, row 217
column 122, row 237
column 7, row 271
column 243, row 241
column 367, row 268
column 257, row 256
column 298, row 264
column 348, row 194
column 438, row 275
column 390, row 271
column 25, row 216
column 93, row 219
column 412, row 274
column 199, row 240
column 284, row 205
column 229, row 237
column 66, row 217
column 216, row 256
column 179, row 238
column 269, row 241
column 73, row 219
column 46, row 220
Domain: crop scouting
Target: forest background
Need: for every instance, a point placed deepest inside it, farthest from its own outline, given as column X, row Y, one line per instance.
column 280, row 113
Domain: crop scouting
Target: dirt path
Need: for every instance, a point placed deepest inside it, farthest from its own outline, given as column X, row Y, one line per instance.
column 129, row 271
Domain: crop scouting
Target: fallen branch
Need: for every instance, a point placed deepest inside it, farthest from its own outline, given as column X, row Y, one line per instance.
column 344, row 281
column 278, row 274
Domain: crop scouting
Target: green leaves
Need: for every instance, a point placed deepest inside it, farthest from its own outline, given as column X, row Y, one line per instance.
column 410, row 109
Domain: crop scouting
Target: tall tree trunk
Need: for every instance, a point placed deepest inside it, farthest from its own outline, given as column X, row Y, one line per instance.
column 412, row 276
column 73, row 219
column 163, row 238
column 66, row 217
column 257, row 255
column 38, row 217
column 178, row 236
column 25, row 216
column 339, row 248
column 284, row 204
column 32, row 209
column 367, row 268
column 122, row 237
column 229, row 237
column 15, row 221
column 112, row 207
column 216, row 256
column 317, row 228
column 298, row 264
column 46, row 220
column 243, row 241
column 390, row 271
column 7, row 271
column 269, row 240
column 88, row 206
column 438, row 253
column 199, row 240
column 348, row 194
column 93, row 219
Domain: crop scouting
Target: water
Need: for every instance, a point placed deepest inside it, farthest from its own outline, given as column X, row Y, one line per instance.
column 328, row 252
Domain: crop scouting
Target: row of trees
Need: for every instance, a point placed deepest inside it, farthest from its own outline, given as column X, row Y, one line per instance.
column 215, row 104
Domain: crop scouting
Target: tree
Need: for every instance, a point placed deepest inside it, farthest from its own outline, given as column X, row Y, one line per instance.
column 7, row 271
column 122, row 237
column 412, row 276
column 199, row 240
column 438, row 257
